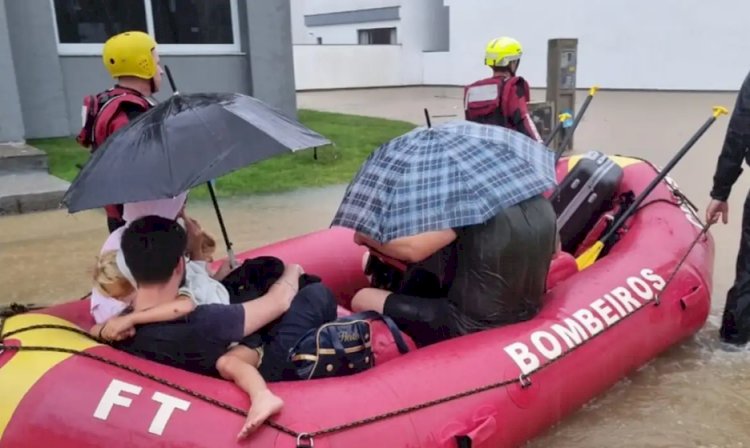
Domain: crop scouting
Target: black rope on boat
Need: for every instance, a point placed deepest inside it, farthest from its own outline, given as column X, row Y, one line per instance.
column 122, row 366
column 15, row 309
column 306, row 436
column 703, row 232
column 524, row 380
column 682, row 198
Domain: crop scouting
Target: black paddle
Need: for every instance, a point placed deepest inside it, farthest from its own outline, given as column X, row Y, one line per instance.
column 591, row 254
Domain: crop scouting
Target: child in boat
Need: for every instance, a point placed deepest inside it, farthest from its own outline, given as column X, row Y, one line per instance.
column 214, row 339
column 113, row 279
column 255, row 276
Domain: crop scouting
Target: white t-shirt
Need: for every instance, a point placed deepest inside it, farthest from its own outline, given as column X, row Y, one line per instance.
column 205, row 289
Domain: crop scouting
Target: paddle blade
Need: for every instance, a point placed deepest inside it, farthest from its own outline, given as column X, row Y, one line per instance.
column 588, row 258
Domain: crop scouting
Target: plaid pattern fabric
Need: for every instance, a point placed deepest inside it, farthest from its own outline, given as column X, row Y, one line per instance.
column 455, row 174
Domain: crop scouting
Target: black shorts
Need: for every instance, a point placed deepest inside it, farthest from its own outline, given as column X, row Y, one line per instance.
column 313, row 306
column 425, row 320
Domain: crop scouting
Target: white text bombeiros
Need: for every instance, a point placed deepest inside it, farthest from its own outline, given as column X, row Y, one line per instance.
column 586, row 322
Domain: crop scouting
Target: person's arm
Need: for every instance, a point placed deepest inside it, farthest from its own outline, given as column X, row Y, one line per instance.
column 223, row 271
column 273, row 304
column 526, row 125
column 410, row 249
column 95, row 331
column 231, row 323
column 736, row 142
column 122, row 327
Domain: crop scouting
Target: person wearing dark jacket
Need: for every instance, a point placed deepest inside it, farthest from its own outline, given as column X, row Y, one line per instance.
column 735, row 323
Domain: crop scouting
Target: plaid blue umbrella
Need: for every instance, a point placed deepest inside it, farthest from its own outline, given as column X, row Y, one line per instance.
column 455, row 174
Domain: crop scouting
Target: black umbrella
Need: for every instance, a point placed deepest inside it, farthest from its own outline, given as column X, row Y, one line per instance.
column 183, row 142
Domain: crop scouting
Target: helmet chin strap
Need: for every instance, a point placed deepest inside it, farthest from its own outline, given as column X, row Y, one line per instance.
column 512, row 70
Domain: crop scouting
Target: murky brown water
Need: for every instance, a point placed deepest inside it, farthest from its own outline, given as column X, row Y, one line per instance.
column 47, row 257
column 695, row 395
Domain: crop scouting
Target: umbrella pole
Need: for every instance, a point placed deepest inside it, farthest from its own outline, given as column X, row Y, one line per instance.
column 230, row 252
column 427, row 118
column 171, row 80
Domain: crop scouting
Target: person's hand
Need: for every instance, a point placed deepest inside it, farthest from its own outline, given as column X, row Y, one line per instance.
column 118, row 328
column 192, row 227
column 359, row 239
column 292, row 273
column 717, row 209
column 289, row 282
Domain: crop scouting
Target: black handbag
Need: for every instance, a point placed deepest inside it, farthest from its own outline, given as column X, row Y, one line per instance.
column 340, row 347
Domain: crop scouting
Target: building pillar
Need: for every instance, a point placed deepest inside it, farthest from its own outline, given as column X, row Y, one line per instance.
column 270, row 53
column 11, row 115
column 38, row 72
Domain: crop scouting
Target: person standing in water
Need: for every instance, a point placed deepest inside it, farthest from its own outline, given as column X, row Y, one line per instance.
column 503, row 98
column 735, row 322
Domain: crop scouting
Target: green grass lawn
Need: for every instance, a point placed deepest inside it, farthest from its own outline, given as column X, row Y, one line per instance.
column 355, row 137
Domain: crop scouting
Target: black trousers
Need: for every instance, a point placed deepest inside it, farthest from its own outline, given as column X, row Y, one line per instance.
column 735, row 323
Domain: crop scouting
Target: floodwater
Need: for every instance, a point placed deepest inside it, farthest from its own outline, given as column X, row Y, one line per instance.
column 694, row 395
column 47, row 257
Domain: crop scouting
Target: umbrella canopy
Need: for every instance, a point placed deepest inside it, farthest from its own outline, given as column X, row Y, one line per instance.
column 185, row 141
column 456, row 174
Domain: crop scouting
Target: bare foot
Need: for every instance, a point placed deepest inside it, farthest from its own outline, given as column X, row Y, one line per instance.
column 263, row 406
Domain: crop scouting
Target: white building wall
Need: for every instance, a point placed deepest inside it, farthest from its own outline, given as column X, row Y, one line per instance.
column 338, row 65
column 334, row 34
column 347, row 34
column 622, row 44
column 321, row 67
column 299, row 31
column 327, row 6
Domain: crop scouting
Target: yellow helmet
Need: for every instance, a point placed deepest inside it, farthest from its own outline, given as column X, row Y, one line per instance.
column 129, row 54
column 502, row 51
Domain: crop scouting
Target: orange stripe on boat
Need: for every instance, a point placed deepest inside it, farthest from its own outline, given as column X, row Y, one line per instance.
column 23, row 370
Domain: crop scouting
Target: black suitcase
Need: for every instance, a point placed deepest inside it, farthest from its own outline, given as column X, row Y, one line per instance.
column 583, row 195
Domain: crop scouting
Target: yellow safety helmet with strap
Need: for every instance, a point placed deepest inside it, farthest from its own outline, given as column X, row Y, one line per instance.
column 502, row 51
column 130, row 54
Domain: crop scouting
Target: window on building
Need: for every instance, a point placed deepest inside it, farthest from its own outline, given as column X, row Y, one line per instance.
column 377, row 36
column 179, row 26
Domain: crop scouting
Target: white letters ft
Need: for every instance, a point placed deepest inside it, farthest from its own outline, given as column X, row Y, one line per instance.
column 112, row 397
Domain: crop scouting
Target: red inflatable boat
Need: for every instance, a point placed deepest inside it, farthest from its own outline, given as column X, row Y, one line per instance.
column 496, row 388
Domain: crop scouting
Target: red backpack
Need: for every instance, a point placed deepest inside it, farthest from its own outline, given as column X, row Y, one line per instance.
column 496, row 101
column 99, row 111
